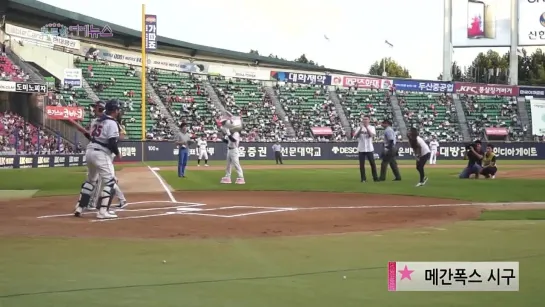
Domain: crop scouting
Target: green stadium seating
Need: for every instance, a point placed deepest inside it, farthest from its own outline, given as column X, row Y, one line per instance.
column 169, row 84
column 486, row 111
column 304, row 106
column 124, row 81
column 432, row 114
column 366, row 102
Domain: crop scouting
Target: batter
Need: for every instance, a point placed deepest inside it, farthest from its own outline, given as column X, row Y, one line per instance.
column 99, row 111
column 203, row 151
column 232, row 140
column 104, row 135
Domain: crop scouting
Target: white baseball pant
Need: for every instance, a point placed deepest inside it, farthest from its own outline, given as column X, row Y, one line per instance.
column 203, row 154
column 433, row 157
column 233, row 161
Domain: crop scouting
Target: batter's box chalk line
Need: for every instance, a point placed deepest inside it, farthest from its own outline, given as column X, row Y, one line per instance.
column 173, row 205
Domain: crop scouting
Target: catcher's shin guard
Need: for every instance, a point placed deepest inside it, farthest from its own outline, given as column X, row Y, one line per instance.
column 107, row 195
column 85, row 194
column 95, row 196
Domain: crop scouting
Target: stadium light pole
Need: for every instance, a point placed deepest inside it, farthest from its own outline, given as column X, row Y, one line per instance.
column 513, row 54
column 143, row 74
column 447, row 41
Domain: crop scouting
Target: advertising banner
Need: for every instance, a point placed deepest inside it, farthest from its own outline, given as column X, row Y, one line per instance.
column 38, row 161
column 537, row 109
column 531, row 23
column 424, row 86
column 294, row 77
column 67, row 113
column 496, row 131
column 134, row 58
column 536, row 92
column 136, row 151
column 151, row 32
column 7, row 86
column 485, row 89
column 72, row 77
column 167, row 151
column 41, row 38
column 239, row 72
column 321, row 131
column 481, row 23
column 362, row 82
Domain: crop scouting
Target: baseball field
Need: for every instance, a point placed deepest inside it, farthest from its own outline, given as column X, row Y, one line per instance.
column 300, row 234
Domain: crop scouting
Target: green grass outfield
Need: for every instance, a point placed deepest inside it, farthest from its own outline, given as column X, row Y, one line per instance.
column 288, row 271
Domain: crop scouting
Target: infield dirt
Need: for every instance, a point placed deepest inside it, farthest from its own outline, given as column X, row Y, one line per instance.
column 236, row 213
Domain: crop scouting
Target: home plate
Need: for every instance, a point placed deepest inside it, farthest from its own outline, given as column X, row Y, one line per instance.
column 189, row 209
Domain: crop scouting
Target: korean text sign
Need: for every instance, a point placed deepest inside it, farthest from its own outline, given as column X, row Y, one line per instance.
column 151, row 32
column 294, row 77
column 453, row 276
column 485, row 89
column 424, row 86
column 66, row 113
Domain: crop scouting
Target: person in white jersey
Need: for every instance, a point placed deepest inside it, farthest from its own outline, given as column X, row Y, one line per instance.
column 434, row 147
column 104, row 134
column 364, row 134
column 421, row 152
column 203, row 151
column 233, row 140
column 99, row 111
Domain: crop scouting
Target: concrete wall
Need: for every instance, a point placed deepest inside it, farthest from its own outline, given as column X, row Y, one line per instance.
column 53, row 61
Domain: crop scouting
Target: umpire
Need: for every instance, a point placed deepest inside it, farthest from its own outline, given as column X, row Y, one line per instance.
column 277, row 148
column 389, row 153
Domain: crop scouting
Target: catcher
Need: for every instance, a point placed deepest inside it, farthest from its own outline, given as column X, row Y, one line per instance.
column 231, row 127
column 99, row 110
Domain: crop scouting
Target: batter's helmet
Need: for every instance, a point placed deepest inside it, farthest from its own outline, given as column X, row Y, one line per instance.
column 100, row 105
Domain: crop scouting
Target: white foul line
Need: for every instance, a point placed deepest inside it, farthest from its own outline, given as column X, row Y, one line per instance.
column 163, row 184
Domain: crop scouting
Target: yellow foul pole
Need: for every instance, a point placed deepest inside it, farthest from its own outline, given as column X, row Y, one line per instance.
column 143, row 78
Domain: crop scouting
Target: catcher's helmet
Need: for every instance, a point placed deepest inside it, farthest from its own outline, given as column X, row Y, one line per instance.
column 112, row 105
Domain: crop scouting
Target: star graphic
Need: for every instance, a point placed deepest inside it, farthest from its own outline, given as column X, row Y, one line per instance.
column 406, row 273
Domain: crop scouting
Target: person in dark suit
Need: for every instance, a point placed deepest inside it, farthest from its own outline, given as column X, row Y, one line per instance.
column 389, row 153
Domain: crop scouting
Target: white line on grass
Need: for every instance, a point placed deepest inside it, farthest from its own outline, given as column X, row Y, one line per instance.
column 163, row 184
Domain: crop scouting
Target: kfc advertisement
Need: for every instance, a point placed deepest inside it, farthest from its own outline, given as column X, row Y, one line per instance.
column 485, row 89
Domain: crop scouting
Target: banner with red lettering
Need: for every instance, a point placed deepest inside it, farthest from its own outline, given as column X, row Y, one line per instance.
column 496, row 131
column 321, row 131
column 67, row 113
column 361, row 82
column 485, row 89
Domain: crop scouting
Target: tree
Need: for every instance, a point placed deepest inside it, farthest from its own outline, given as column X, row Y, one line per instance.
column 302, row 59
column 492, row 67
column 393, row 69
column 456, row 72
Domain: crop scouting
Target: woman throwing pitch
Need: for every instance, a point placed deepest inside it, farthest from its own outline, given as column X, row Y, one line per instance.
column 421, row 152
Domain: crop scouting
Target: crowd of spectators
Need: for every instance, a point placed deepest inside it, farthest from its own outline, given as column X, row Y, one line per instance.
column 10, row 71
column 359, row 103
column 18, row 136
column 424, row 114
column 180, row 99
column 504, row 114
column 309, row 106
column 261, row 123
